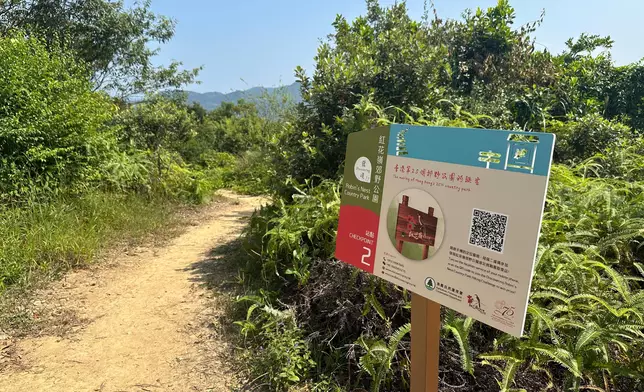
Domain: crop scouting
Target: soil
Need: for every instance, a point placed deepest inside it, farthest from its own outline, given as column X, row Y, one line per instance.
column 144, row 321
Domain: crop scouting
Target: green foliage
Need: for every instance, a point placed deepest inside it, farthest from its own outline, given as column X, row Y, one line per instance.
column 625, row 160
column 459, row 328
column 280, row 356
column 586, row 312
column 288, row 247
column 52, row 132
column 581, row 139
column 379, row 356
column 507, row 373
column 485, row 50
column 252, row 173
column 156, row 125
column 128, row 171
column 152, row 135
column 67, row 186
column 237, row 130
column 309, row 319
column 231, row 128
column 626, row 95
column 46, row 239
column 290, row 236
column 585, row 318
column 384, row 55
column 114, row 41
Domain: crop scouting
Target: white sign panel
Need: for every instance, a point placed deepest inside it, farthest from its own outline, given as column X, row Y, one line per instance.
column 452, row 214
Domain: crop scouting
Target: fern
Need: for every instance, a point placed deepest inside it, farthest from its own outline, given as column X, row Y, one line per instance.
column 507, row 373
column 379, row 356
column 559, row 355
column 459, row 328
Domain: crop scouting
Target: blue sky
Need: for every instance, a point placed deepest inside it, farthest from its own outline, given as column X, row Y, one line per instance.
column 247, row 43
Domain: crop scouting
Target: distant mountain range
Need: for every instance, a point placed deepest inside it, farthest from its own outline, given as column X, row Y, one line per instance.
column 213, row 99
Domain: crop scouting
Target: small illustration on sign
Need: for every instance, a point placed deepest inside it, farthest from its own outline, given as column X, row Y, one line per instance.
column 489, row 157
column 415, row 224
column 475, row 303
column 524, row 150
column 430, row 284
column 504, row 310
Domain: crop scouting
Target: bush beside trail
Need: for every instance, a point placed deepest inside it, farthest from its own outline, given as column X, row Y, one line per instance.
column 312, row 322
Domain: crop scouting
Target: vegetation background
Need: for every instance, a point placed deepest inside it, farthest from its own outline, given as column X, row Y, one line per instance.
column 81, row 164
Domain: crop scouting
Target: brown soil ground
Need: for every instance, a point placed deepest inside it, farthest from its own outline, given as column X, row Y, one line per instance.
column 142, row 322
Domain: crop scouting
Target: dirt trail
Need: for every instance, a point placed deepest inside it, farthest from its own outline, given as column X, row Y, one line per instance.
column 147, row 320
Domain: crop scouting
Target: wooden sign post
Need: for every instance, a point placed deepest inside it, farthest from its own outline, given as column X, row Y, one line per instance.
column 419, row 227
column 425, row 344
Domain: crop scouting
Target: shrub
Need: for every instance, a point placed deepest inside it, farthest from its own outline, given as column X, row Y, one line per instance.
column 581, row 139
column 156, row 125
column 52, row 131
column 281, row 357
column 585, row 317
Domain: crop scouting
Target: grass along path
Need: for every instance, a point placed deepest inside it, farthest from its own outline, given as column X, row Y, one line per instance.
column 145, row 320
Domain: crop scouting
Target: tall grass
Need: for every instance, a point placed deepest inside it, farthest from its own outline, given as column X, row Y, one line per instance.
column 45, row 239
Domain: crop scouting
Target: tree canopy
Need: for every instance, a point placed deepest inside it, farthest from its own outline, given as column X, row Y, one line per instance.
column 114, row 41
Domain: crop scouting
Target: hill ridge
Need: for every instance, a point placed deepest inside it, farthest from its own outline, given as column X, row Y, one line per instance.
column 212, row 99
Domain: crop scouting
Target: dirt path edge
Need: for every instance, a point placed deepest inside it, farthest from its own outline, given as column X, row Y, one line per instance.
column 144, row 321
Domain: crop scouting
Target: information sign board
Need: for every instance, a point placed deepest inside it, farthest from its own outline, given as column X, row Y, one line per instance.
column 451, row 214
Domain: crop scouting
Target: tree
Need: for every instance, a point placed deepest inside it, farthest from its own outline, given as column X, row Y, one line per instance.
column 593, row 83
column 384, row 55
column 157, row 124
column 113, row 40
column 52, row 131
column 198, row 111
column 232, row 127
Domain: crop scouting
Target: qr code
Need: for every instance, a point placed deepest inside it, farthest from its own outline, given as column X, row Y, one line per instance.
column 488, row 230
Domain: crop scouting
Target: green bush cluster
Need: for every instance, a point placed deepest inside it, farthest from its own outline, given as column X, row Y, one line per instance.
column 64, row 145
column 585, row 328
column 52, row 125
column 80, row 166
column 58, row 136
column 586, row 313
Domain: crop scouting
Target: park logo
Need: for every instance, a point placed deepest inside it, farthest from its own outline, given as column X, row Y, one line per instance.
column 475, row 303
column 430, row 284
column 504, row 310
column 362, row 169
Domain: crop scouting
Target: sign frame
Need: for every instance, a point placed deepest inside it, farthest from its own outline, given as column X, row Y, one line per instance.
column 471, row 236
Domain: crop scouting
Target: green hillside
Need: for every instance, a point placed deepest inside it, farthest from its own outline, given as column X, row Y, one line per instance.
column 212, row 100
